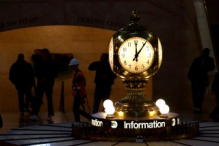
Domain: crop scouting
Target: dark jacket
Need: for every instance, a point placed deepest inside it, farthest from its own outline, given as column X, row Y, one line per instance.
column 104, row 75
column 21, row 74
column 215, row 84
column 199, row 69
column 46, row 69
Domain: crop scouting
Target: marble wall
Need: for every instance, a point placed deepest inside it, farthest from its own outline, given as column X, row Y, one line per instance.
column 85, row 43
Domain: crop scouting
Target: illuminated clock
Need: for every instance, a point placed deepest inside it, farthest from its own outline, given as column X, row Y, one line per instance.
column 136, row 55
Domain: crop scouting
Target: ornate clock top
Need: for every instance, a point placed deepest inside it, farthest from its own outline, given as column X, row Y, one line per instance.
column 134, row 16
column 134, row 24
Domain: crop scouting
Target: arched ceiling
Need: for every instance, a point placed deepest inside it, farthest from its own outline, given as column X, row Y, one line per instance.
column 109, row 14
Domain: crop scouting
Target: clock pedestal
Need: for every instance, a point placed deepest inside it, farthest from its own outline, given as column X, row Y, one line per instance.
column 135, row 104
column 132, row 129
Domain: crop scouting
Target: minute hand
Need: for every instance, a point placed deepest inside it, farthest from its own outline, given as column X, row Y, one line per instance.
column 136, row 55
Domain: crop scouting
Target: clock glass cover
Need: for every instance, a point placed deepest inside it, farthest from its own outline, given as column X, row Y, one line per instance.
column 136, row 55
column 111, row 53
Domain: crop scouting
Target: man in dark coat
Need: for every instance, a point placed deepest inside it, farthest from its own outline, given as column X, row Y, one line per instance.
column 104, row 80
column 45, row 72
column 198, row 75
column 22, row 76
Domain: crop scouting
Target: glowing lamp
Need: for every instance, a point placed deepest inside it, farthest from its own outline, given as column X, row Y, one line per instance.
column 109, row 108
column 160, row 102
column 107, row 103
column 164, row 110
column 110, row 111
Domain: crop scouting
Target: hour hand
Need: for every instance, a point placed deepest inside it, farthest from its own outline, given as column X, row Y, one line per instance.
column 136, row 51
column 136, row 58
column 136, row 55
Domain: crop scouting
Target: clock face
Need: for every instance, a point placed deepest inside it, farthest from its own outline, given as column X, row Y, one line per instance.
column 111, row 53
column 136, row 55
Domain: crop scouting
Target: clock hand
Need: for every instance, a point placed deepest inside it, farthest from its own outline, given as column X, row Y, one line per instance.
column 136, row 50
column 136, row 55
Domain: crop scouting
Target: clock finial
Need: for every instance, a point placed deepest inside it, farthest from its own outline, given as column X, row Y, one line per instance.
column 134, row 16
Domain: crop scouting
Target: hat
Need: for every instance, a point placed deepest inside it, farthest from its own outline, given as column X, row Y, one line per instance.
column 73, row 62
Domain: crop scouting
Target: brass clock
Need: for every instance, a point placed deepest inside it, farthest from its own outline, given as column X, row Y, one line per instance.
column 135, row 54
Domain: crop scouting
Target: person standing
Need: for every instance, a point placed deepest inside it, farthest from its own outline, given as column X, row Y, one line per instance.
column 198, row 75
column 1, row 121
column 104, row 80
column 78, row 91
column 22, row 76
column 45, row 72
column 215, row 89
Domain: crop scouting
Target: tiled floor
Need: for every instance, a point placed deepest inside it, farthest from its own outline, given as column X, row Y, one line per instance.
column 15, row 120
column 58, row 131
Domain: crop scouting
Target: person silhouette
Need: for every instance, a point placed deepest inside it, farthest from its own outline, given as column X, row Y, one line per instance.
column 198, row 75
column 104, row 80
column 78, row 90
column 45, row 72
column 215, row 89
column 22, row 76
column 1, row 121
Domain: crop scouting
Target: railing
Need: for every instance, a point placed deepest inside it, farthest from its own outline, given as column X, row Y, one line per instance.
column 62, row 105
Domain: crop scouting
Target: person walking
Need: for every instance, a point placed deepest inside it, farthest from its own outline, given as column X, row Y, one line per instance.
column 104, row 80
column 79, row 91
column 198, row 75
column 22, row 76
column 45, row 72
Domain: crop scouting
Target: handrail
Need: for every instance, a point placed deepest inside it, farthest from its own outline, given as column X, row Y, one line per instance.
column 62, row 105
